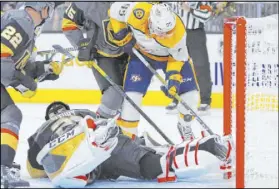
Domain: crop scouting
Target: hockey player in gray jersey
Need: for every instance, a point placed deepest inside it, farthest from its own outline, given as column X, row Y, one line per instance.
column 73, row 148
column 92, row 17
column 19, row 71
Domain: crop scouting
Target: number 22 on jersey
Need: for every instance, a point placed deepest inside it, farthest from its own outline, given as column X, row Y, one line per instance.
column 10, row 34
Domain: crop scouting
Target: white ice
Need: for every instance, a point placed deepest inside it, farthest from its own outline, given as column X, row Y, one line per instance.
column 263, row 157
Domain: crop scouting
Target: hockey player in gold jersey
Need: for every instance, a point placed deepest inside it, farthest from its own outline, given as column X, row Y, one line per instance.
column 159, row 35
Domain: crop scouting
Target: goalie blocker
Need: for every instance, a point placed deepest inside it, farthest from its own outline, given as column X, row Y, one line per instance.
column 106, row 154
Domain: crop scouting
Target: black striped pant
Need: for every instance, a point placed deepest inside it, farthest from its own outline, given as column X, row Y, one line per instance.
column 196, row 44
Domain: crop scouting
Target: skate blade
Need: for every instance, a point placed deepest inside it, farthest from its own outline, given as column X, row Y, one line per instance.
column 204, row 113
column 172, row 112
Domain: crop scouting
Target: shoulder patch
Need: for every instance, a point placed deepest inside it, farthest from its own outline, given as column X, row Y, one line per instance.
column 139, row 13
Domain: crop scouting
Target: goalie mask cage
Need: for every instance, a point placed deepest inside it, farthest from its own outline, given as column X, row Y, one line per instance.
column 251, row 98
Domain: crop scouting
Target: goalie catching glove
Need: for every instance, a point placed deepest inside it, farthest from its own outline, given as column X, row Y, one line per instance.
column 173, row 83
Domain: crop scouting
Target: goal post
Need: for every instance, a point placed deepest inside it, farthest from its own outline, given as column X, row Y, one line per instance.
column 250, row 79
column 240, row 24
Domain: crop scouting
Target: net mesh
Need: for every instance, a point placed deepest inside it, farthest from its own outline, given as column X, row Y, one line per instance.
column 261, row 119
column 262, row 63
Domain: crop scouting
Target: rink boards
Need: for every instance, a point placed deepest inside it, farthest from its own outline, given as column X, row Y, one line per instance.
column 77, row 84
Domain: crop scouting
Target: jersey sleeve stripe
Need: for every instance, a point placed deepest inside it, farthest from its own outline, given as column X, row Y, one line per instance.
column 68, row 25
column 3, row 130
column 6, row 51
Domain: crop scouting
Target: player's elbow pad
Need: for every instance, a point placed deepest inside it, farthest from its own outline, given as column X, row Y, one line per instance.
column 122, row 38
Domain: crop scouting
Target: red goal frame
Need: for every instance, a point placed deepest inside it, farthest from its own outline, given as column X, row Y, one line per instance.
column 239, row 24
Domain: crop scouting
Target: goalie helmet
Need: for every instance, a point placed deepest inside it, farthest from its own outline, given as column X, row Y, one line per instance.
column 161, row 20
column 56, row 108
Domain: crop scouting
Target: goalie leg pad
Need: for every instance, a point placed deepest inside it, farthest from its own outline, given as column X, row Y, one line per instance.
column 129, row 115
column 200, row 153
column 166, row 161
column 110, row 103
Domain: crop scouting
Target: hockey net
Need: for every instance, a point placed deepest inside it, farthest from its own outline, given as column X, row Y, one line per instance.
column 251, row 98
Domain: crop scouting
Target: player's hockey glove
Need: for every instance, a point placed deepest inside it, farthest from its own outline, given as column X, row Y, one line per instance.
column 86, row 51
column 55, row 67
column 173, row 82
column 44, row 70
column 52, row 67
column 24, row 84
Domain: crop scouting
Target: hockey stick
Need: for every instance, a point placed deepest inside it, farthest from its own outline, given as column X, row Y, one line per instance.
column 60, row 49
column 53, row 51
column 176, row 96
column 121, row 91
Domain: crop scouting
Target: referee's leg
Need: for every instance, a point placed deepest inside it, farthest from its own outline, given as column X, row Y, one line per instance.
column 196, row 43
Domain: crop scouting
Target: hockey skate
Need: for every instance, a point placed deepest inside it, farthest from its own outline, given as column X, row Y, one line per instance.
column 172, row 107
column 10, row 177
column 203, row 110
column 186, row 132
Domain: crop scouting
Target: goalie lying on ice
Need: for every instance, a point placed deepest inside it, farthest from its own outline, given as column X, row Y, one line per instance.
column 73, row 148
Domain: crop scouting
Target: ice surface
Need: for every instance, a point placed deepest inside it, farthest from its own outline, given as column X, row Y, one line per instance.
column 33, row 117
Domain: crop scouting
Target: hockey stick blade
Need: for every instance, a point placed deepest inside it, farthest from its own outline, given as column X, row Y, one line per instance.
column 61, row 50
